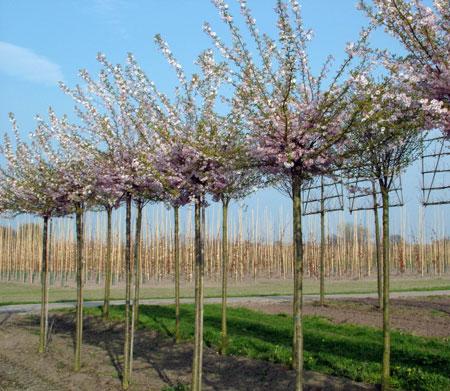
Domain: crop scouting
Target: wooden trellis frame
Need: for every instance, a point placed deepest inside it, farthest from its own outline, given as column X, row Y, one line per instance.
column 323, row 194
column 435, row 171
column 362, row 198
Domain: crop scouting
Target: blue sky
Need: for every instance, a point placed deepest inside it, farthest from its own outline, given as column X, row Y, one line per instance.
column 44, row 41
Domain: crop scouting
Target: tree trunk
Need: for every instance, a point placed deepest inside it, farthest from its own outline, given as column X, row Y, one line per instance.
column 322, row 243
column 385, row 378
column 176, row 235
column 80, row 272
column 199, row 272
column 44, row 289
column 203, row 232
column 224, row 343
column 377, row 247
column 108, row 263
column 137, row 277
column 297, row 358
column 126, row 370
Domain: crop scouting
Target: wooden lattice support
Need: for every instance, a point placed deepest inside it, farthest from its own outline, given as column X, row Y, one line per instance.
column 436, row 171
column 323, row 195
column 365, row 194
column 362, row 191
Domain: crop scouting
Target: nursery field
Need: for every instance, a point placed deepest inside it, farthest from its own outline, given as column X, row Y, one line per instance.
column 343, row 346
column 16, row 292
column 272, row 216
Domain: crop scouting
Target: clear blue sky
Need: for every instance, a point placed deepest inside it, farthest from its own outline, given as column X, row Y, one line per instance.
column 44, row 41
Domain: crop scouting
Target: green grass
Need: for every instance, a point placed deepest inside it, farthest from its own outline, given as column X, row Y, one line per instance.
column 16, row 293
column 341, row 350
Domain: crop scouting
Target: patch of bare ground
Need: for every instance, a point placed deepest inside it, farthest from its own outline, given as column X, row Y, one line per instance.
column 159, row 362
column 422, row 316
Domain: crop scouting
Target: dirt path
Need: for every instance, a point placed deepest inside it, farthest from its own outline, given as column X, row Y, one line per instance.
column 35, row 308
column 159, row 362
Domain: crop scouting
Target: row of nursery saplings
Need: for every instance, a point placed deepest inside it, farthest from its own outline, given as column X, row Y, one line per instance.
column 284, row 125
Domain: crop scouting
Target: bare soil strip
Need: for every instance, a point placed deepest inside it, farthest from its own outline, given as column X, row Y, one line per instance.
column 422, row 316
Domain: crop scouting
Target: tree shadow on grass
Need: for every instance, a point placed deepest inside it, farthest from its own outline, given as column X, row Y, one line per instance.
column 172, row 362
column 323, row 340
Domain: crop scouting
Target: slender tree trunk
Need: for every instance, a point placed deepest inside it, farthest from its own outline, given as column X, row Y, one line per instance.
column 377, row 247
column 44, row 289
column 203, row 233
column 137, row 277
column 224, row 343
column 199, row 273
column 385, row 378
column 176, row 235
column 108, row 263
column 80, row 272
column 203, row 222
column 322, row 243
column 127, row 342
column 298, row 282
column 137, row 260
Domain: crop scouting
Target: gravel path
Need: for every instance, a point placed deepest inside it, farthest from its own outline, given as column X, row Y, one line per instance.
column 35, row 308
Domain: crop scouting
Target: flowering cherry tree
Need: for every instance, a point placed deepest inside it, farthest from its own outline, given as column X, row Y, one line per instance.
column 108, row 195
column 115, row 123
column 236, row 178
column 297, row 121
column 160, row 116
column 425, row 34
column 54, row 178
column 187, row 130
column 28, row 184
column 76, row 180
column 386, row 139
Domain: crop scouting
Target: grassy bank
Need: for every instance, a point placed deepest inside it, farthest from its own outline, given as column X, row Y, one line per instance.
column 341, row 350
column 12, row 292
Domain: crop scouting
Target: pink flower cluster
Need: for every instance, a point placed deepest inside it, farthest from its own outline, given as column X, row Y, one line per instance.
column 424, row 33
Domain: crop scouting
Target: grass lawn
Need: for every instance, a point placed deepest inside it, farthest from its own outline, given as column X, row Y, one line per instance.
column 14, row 293
column 342, row 350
